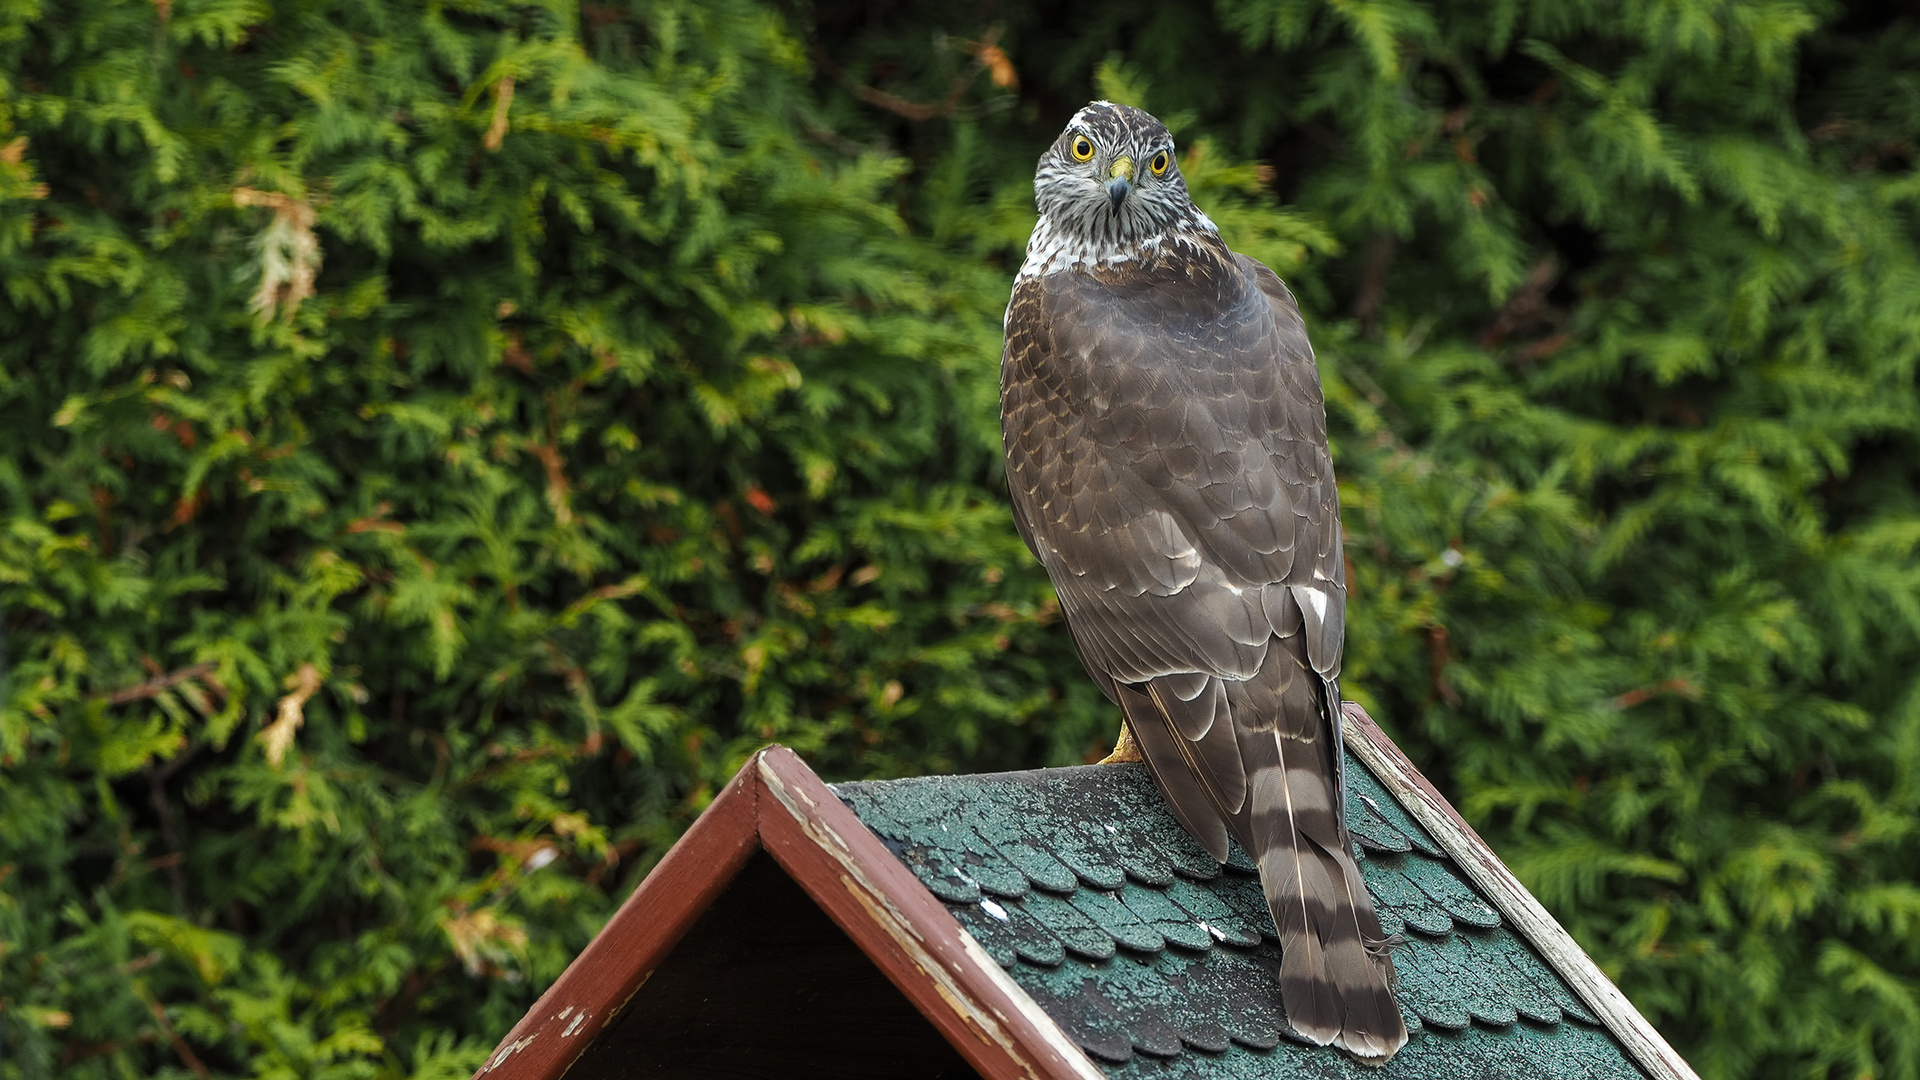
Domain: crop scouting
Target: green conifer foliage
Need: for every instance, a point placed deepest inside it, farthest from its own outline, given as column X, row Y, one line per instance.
column 441, row 442
column 440, row 445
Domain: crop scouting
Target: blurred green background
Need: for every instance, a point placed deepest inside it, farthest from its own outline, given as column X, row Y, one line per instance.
column 439, row 442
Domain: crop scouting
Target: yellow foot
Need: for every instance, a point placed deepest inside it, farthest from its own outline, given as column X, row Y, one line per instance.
column 1125, row 750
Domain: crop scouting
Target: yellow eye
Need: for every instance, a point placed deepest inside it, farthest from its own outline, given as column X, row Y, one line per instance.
column 1159, row 163
column 1082, row 148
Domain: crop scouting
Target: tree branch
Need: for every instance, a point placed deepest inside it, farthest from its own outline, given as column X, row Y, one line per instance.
column 986, row 54
column 153, row 687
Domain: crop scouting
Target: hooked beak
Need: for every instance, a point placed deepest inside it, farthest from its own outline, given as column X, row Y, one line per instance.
column 1120, row 181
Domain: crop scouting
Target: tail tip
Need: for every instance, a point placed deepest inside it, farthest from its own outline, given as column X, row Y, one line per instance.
column 1368, row 1048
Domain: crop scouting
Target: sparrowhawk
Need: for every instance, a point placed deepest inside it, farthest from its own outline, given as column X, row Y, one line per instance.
column 1167, row 455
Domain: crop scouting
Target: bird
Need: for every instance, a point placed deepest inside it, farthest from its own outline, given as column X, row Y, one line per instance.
column 1168, row 465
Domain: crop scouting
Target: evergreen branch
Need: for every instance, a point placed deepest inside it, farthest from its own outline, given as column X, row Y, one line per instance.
column 160, row 683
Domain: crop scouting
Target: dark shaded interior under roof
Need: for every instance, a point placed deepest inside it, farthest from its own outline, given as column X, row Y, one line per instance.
column 1160, row 963
column 765, row 986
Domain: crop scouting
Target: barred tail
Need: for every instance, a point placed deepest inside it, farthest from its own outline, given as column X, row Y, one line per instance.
column 1258, row 759
column 1335, row 977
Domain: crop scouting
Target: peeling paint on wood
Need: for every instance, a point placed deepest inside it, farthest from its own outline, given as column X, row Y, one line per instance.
column 973, row 989
column 1492, row 877
column 643, row 931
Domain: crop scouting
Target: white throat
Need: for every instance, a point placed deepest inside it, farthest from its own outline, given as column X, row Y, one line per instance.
column 1052, row 249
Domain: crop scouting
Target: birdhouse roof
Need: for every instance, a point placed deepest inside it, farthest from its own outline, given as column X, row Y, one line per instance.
column 1159, row 962
column 1061, row 923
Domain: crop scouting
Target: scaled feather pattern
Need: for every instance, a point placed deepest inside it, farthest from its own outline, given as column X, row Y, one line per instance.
column 1167, row 457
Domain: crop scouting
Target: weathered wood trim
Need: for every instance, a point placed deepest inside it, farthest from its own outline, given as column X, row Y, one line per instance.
column 777, row 804
column 1491, row 876
column 906, row 931
column 567, row 1018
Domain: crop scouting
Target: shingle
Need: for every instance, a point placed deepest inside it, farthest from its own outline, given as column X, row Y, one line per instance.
column 1373, row 831
column 1441, row 882
column 1240, row 891
column 1148, row 865
column 980, row 924
column 1156, row 908
column 1092, row 866
column 1079, row 933
column 1393, row 891
column 1162, row 963
column 1432, row 984
column 1376, row 803
column 1004, row 929
column 1487, row 998
column 1139, row 857
column 990, row 870
column 1539, row 975
column 1090, row 1020
column 1118, row 920
column 939, row 874
column 1187, row 856
column 1145, row 1005
column 1219, row 983
column 1040, row 868
column 1213, row 915
column 1529, row 1000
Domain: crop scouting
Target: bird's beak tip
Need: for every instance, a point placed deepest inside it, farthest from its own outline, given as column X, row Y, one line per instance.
column 1117, row 190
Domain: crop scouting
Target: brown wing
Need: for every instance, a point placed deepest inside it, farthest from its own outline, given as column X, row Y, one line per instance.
column 1167, row 458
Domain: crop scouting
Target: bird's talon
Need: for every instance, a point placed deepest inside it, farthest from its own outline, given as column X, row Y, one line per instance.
column 1125, row 750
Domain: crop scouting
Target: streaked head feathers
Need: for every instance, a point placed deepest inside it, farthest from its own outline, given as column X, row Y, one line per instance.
column 1111, row 183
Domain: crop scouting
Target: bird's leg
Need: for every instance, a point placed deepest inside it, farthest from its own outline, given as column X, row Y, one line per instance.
column 1124, row 750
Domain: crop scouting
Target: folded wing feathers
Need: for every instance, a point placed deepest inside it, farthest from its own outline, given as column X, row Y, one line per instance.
column 1212, row 749
column 1255, row 757
column 1175, row 772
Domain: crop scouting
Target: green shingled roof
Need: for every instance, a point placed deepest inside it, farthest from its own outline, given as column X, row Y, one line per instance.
column 1163, row 964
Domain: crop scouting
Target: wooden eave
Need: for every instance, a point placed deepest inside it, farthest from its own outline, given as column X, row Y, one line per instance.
column 777, row 805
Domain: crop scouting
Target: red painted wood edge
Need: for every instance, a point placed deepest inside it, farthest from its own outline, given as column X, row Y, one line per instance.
column 908, row 933
column 777, row 804
column 567, row 1018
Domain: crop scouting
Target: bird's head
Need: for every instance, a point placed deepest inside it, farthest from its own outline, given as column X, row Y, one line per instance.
column 1111, row 178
